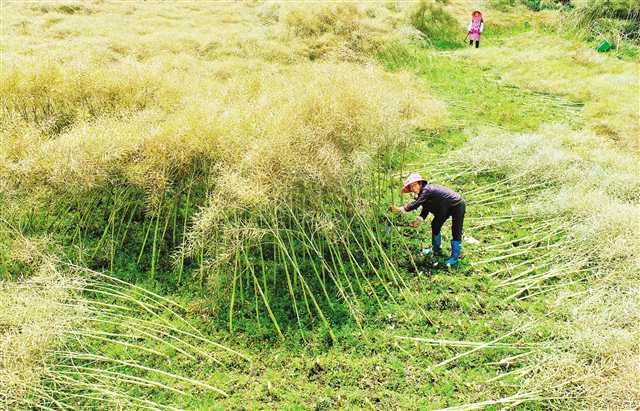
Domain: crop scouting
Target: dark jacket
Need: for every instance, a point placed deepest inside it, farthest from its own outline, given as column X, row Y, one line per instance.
column 436, row 200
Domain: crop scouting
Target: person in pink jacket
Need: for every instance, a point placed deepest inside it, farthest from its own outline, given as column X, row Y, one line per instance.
column 476, row 26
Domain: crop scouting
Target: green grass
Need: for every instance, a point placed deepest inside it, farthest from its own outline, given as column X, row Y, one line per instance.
column 477, row 97
column 366, row 367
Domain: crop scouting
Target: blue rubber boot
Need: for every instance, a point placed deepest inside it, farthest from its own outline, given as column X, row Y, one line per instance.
column 456, row 249
column 436, row 246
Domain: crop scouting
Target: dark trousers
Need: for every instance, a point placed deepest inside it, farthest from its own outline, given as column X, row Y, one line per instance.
column 477, row 43
column 457, row 220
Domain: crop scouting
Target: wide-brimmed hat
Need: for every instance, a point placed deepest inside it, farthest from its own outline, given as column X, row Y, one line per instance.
column 412, row 178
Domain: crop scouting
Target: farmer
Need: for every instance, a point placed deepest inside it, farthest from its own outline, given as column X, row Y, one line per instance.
column 443, row 203
column 476, row 26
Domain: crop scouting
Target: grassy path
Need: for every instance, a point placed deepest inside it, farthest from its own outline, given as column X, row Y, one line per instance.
column 476, row 96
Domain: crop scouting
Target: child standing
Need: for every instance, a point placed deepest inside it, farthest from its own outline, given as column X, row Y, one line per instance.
column 476, row 26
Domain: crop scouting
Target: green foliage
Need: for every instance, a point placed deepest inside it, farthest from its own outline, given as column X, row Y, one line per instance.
column 538, row 5
column 535, row 5
column 617, row 21
column 614, row 28
column 502, row 5
column 440, row 29
column 620, row 9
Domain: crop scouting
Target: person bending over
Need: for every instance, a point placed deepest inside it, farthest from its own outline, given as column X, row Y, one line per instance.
column 443, row 203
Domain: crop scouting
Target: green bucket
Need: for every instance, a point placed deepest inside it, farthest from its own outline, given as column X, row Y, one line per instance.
column 603, row 47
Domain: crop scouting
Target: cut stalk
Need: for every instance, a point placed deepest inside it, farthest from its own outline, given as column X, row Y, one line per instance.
column 154, row 247
column 99, row 358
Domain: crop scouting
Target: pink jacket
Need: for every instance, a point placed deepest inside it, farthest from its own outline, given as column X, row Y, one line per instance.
column 476, row 26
